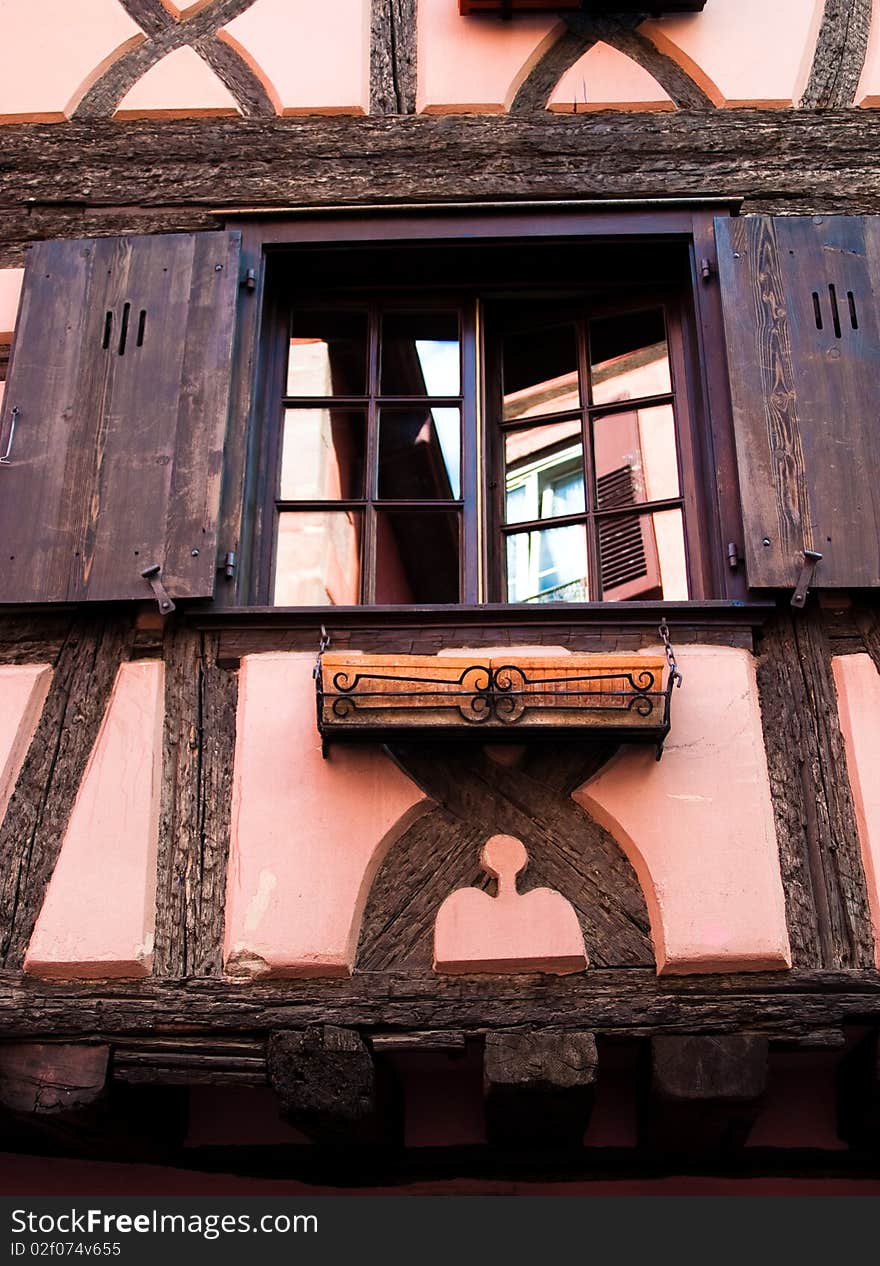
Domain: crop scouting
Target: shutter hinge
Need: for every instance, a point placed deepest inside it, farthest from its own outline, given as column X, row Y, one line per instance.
column 249, row 280
column 707, row 269
column 805, row 579
column 733, row 559
column 151, row 574
column 229, row 564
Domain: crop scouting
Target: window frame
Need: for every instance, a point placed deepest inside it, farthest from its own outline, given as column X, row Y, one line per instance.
column 702, row 373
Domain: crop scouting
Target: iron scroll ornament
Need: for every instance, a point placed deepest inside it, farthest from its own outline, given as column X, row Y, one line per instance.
column 631, row 705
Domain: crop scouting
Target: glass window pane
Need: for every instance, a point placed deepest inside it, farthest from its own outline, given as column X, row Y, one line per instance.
column 548, row 565
column 642, row 556
column 318, row 558
column 544, row 471
column 540, row 371
column 636, row 456
column 629, row 358
column 420, row 454
column 322, row 454
column 420, row 354
column 417, row 557
column 328, row 354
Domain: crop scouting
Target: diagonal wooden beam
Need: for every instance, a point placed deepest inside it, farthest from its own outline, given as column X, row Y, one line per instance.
column 840, row 54
column 165, row 34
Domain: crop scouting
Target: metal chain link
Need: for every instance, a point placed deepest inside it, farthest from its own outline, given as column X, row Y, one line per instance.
column 674, row 674
column 323, row 645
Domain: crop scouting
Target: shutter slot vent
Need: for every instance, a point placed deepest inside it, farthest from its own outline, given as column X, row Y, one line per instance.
column 835, row 311
column 817, row 309
column 108, row 327
column 142, row 325
column 853, row 315
column 123, row 333
column 621, row 546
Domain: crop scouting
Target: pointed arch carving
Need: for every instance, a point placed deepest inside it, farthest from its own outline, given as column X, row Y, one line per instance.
column 164, row 33
column 477, row 797
column 839, row 59
column 578, row 34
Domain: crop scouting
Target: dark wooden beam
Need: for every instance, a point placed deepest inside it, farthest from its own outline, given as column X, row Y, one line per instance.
column 787, row 1007
column 704, row 1092
column 539, row 1087
column 826, row 897
column 393, row 51
column 198, row 749
column 39, row 809
column 329, row 1087
column 51, row 1077
column 84, row 178
column 840, row 54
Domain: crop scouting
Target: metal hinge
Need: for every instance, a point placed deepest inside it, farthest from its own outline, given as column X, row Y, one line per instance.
column 733, row 558
column 229, row 564
column 707, row 269
column 249, row 280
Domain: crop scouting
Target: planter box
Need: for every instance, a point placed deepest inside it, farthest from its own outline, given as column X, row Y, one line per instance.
column 380, row 697
column 509, row 7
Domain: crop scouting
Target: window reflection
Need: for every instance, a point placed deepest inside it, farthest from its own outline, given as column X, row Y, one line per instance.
column 636, row 450
column 642, row 556
column 318, row 558
column 544, row 471
column 548, row 565
column 420, row 454
column 540, row 371
column 328, row 354
column 420, row 354
column 417, row 557
column 629, row 358
column 322, row 456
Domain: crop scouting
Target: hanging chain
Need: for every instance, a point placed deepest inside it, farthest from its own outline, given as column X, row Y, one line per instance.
column 674, row 674
column 323, row 645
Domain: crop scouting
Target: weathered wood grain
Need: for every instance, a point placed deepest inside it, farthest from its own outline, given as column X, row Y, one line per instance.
column 33, row 639
column 625, row 1002
column 840, row 54
column 705, row 1092
column 51, row 1077
column 198, row 747
column 478, row 798
column 40, row 807
column 102, row 178
column 539, row 1086
column 826, row 899
column 393, row 57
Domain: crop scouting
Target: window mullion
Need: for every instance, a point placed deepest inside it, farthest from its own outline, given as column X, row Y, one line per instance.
column 368, row 579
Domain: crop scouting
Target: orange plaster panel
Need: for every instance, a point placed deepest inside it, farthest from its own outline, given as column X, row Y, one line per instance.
column 698, row 825
column 868, row 91
column 858, row 694
column 308, row 834
column 744, row 52
column 181, row 83
column 98, row 916
column 313, row 58
column 49, row 48
column 476, row 63
column 23, row 690
column 10, row 290
column 605, row 79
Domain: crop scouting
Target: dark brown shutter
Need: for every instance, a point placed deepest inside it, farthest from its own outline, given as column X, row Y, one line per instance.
column 800, row 313
column 120, row 385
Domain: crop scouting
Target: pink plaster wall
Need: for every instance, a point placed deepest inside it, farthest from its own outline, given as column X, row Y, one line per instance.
column 741, row 52
column 49, row 48
column 180, row 84
column 858, row 695
column 698, row 825
column 868, row 91
column 605, row 79
column 10, row 290
column 98, row 916
column 315, row 56
column 308, row 834
column 744, row 52
column 23, row 690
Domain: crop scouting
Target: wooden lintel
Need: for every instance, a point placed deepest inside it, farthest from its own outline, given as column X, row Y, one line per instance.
column 704, row 1092
column 328, row 1086
column 539, row 1086
column 51, row 1077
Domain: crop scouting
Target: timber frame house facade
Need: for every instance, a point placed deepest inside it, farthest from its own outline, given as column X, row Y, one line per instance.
column 508, row 365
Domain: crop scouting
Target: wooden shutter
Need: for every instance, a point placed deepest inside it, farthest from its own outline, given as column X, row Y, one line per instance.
column 119, row 380
column 800, row 313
